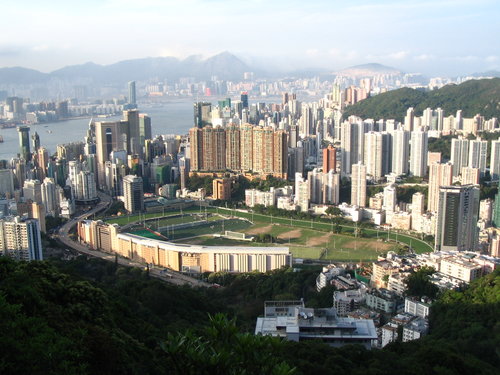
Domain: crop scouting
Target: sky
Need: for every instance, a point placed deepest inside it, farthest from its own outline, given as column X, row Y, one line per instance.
column 433, row 37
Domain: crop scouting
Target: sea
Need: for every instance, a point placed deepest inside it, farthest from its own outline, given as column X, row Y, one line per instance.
column 174, row 116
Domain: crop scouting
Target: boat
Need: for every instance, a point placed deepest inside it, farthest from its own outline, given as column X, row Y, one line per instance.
column 49, row 131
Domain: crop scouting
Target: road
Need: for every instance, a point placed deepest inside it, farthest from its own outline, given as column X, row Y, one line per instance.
column 160, row 273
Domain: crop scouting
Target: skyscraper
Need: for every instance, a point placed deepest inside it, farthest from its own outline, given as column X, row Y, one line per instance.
column 373, row 155
column 400, row 150
column 131, row 94
column 358, row 185
column 439, row 175
column 495, row 160
column 24, row 142
column 496, row 211
column 459, row 154
column 133, row 193
column 478, row 151
column 418, row 153
column 329, row 159
column 456, row 227
column 144, row 128
column 202, row 114
column 35, row 139
column 244, row 99
column 6, row 182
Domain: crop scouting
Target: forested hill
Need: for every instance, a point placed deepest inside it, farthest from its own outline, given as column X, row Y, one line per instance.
column 93, row 317
column 472, row 97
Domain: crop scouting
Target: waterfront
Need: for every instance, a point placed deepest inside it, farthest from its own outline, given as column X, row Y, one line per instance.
column 171, row 117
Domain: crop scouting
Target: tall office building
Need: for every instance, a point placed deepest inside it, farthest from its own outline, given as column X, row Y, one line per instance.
column 400, row 151
column 32, row 190
column 459, row 154
column 478, row 151
column 132, row 100
column 144, row 128
column 495, row 160
column 418, row 153
column 110, row 136
column 202, row 114
column 6, row 182
column 20, row 239
column 132, row 130
column 244, row 99
column 329, row 159
column 24, row 142
column 358, row 185
column 133, row 193
column 456, row 227
column 35, row 141
column 439, row 175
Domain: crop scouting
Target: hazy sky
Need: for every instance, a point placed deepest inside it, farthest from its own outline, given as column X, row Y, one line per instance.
column 433, row 37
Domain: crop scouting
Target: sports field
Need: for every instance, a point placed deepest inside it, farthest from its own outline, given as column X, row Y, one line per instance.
column 306, row 239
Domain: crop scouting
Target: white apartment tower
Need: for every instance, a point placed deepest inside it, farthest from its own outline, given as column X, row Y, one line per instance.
column 133, row 193
column 400, row 150
column 358, row 185
column 418, row 153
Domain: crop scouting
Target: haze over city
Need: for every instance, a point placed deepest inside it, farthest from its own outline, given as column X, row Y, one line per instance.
column 430, row 37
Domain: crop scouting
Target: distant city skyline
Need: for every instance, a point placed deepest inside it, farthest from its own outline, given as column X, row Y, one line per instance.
column 431, row 37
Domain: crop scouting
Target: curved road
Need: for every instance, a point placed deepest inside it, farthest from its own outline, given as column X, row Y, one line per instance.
column 160, row 273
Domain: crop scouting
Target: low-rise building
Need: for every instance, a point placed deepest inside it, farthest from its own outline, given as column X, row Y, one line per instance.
column 381, row 299
column 415, row 329
column 295, row 322
column 417, row 307
column 348, row 300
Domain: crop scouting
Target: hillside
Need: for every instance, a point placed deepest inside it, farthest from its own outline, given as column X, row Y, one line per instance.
column 89, row 316
column 473, row 97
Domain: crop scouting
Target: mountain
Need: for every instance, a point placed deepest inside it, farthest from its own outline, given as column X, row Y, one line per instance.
column 19, row 75
column 368, row 70
column 472, row 97
column 225, row 66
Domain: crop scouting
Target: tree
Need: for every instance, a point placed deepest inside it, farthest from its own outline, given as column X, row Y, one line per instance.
column 221, row 349
column 418, row 284
column 334, row 211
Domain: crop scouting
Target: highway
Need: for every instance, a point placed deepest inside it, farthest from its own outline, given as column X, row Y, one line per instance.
column 160, row 273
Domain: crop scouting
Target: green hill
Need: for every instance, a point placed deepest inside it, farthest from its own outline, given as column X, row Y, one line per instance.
column 92, row 317
column 472, row 97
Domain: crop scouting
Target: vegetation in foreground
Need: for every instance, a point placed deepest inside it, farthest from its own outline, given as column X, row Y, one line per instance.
column 92, row 317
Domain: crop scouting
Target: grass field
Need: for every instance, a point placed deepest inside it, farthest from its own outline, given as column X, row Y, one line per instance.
column 306, row 239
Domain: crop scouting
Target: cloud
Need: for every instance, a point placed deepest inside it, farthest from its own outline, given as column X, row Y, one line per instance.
column 424, row 57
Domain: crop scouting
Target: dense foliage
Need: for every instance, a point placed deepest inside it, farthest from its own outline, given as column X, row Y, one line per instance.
column 92, row 317
column 472, row 97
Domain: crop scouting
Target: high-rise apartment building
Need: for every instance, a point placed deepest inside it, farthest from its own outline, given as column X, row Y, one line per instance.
column 358, row 185
column 456, row 227
column 495, row 160
column 470, row 176
column 418, row 153
column 440, row 174
column 20, row 239
column 496, row 211
column 400, row 151
column 49, row 196
column 373, row 154
column 329, row 159
column 459, row 154
column 390, row 198
column 478, row 151
column 133, row 193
